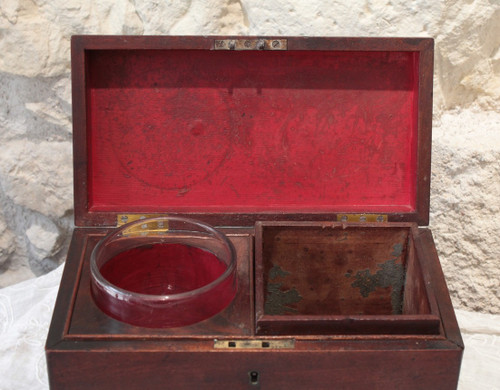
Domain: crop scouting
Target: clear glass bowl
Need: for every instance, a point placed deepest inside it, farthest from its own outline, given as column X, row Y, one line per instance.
column 163, row 272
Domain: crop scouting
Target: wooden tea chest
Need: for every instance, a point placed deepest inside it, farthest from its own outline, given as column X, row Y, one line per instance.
column 313, row 156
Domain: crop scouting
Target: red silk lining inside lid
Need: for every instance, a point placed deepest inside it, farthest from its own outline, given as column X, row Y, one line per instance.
column 254, row 131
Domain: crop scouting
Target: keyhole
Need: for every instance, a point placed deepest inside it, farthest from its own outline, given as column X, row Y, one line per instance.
column 254, row 377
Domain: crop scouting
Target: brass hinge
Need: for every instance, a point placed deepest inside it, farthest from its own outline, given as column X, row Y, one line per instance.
column 362, row 217
column 250, row 44
column 122, row 219
column 144, row 229
column 254, row 344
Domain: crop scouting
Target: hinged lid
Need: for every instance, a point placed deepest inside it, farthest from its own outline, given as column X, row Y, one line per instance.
column 304, row 129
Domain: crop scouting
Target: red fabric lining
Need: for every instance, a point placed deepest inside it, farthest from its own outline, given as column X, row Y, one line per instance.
column 304, row 131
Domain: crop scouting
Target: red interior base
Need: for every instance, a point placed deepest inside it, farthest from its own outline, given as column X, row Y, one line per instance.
column 196, row 130
column 163, row 269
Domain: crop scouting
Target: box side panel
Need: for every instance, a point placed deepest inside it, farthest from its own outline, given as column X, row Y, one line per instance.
column 67, row 289
column 437, row 289
column 431, row 369
column 424, row 125
column 415, row 295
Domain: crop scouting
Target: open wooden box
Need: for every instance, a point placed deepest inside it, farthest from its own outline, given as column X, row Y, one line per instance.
column 313, row 156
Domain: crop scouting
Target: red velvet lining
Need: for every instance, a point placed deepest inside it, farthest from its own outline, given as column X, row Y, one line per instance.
column 296, row 131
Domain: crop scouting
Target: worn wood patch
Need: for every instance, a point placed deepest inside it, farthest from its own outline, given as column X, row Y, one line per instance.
column 334, row 270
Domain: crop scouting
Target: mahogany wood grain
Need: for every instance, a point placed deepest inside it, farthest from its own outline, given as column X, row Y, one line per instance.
column 355, row 368
column 415, row 295
column 437, row 290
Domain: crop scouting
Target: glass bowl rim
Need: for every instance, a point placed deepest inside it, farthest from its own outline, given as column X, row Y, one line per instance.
column 111, row 289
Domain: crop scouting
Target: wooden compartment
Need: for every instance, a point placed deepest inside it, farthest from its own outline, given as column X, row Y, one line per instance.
column 338, row 278
column 85, row 321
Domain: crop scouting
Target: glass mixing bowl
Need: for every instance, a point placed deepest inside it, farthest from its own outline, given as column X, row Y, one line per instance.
column 163, row 272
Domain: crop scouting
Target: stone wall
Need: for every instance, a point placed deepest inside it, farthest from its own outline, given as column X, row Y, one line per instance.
column 35, row 113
